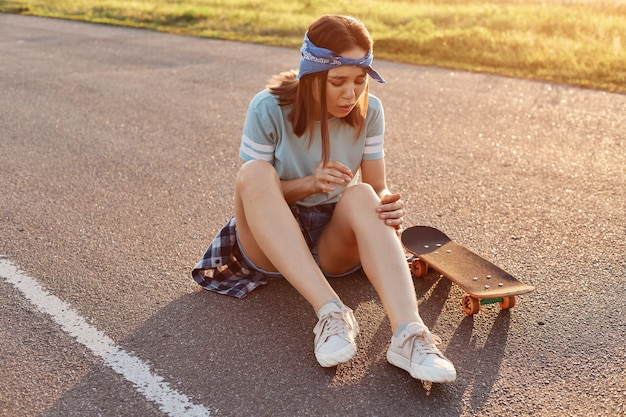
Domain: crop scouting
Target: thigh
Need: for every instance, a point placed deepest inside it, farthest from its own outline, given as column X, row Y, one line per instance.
column 253, row 175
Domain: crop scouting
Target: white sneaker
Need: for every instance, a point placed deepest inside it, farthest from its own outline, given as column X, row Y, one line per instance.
column 415, row 351
column 334, row 335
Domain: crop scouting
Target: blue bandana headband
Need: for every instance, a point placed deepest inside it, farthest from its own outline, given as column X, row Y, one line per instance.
column 315, row 59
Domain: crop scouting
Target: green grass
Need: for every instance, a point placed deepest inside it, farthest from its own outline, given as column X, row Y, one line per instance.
column 577, row 42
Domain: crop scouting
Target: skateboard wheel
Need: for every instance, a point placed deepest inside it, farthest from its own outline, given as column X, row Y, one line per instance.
column 507, row 302
column 419, row 268
column 471, row 305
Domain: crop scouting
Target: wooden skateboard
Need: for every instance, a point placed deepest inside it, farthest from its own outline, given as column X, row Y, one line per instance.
column 483, row 281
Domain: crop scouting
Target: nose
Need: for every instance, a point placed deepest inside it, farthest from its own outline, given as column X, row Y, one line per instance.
column 349, row 92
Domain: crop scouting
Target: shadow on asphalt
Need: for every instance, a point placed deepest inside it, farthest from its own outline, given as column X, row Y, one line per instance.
column 480, row 365
column 254, row 357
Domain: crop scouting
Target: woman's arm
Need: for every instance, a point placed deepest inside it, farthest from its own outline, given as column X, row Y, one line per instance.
column 298, row 189
column 373, row 173
column 322, row 182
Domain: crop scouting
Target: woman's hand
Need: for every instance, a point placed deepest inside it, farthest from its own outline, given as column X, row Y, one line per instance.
column 333, row 173
column 391, row 210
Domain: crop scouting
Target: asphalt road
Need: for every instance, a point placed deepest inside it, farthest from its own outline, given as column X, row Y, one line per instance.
column 118, row 151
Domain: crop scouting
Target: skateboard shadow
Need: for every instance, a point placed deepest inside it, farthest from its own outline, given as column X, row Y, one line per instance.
column 479, row 367
column 432, row 293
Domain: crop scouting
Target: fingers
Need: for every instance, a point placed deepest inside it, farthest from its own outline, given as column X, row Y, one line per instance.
column 391, row 206
column 392, row 211
column 332, row 173
column 393, row 218
column 397, row 223
column 390, row 198
column 334, row 177
column 338, row 171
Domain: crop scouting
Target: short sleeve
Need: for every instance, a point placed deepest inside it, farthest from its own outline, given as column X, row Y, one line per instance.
column 374, row 130
column 258, row 140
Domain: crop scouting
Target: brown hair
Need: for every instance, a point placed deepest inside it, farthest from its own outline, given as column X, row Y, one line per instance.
column 339, row 34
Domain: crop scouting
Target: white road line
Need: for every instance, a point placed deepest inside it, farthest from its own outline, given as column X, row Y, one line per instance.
column 134, row 370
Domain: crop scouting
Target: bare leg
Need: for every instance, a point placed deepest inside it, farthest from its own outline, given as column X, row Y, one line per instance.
column 357, row 233
column 270, row 235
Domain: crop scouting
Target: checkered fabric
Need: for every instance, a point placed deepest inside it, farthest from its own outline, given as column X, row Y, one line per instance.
column 222, row 268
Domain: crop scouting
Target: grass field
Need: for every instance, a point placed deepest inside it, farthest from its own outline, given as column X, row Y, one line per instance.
column 577, row 42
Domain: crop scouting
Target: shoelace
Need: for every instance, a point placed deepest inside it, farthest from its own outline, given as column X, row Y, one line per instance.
column 333, row 324
column 422, row 342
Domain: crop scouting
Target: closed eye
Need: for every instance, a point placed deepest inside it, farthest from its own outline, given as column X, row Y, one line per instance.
column 339, row 81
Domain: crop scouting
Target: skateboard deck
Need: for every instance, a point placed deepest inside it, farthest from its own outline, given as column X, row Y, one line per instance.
column 484, row 282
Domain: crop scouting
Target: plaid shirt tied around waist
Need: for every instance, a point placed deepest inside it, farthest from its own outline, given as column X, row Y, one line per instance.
column 222, row 268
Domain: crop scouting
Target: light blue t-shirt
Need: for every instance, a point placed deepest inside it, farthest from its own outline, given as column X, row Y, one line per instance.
column 268, row 135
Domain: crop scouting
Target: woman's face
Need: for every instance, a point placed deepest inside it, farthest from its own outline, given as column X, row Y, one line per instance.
column 345, row 85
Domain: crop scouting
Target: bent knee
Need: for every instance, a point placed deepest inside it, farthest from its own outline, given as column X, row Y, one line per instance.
column 361, row 193
column 255, row 171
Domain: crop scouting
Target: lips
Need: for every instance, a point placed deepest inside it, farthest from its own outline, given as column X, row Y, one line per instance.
column 346, row 109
